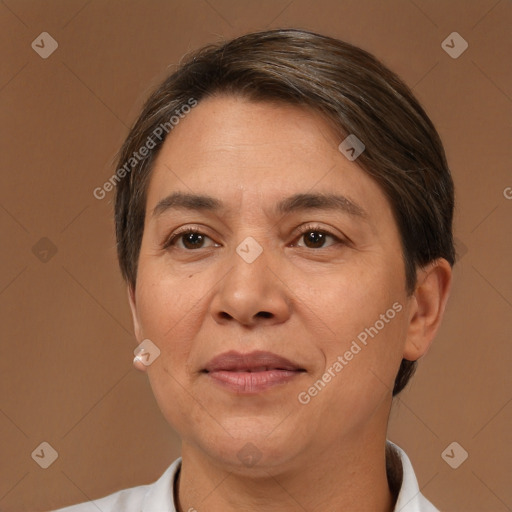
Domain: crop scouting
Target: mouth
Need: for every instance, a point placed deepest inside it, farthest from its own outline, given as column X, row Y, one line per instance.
column 251, row 373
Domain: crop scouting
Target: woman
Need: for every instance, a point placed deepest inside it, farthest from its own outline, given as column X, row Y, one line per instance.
column 284, row 225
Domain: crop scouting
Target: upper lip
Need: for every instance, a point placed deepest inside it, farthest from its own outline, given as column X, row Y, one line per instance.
column 253, row 361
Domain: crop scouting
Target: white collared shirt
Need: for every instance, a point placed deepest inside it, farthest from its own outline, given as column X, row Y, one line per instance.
column 158, row 496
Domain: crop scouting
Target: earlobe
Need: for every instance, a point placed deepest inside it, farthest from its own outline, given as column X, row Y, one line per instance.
column 137, row 360
column 427, row 307
column 138, row 364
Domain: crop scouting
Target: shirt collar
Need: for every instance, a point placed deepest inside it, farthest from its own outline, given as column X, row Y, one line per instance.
column 410, row 498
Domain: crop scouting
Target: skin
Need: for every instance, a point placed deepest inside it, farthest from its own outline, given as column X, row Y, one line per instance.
column 300, row 301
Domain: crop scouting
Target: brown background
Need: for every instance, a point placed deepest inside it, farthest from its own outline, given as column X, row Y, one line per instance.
column 67, row 346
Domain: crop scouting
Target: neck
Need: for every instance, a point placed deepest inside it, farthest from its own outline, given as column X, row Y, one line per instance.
column 347, row 477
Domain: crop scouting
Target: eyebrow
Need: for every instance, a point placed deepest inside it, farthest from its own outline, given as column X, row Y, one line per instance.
column 296, row 202
column 186, row 201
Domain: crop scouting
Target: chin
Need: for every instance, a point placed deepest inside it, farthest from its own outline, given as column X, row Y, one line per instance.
column 253, row 451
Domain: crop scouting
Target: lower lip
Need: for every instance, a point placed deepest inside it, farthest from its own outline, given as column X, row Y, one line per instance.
column 252, row 382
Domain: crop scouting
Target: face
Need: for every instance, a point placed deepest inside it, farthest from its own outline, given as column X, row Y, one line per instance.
column 291, row 270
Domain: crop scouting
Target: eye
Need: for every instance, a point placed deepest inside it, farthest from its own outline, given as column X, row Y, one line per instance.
column 188, row 239
column 315, row 238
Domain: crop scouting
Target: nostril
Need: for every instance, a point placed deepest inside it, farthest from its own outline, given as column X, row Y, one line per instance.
column 265, row 314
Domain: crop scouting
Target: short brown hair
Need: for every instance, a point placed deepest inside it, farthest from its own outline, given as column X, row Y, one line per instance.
column 355, row 93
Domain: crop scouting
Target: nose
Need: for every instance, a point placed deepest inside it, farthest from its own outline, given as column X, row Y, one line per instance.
column 251, row 293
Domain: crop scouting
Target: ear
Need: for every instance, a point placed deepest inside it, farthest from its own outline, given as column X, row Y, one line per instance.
column 427, row 307
column 137, row 362
column 133, row 306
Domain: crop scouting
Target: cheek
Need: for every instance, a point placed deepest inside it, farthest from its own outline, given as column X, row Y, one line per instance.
column 165, row 302
column 357, row 379
column 362, row 315
column 349, row 301
column 371, row 354
column 170, row 311
column 168, row 314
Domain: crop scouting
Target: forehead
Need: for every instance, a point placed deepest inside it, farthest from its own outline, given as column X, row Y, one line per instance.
column 254, row 152
column 232, row 126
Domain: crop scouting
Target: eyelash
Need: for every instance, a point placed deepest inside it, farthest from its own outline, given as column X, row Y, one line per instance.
column 172, row 239
column 170, row 242
column 308, row 228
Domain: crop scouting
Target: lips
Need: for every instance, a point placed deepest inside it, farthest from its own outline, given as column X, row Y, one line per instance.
column 246, row 374
column 252, row 362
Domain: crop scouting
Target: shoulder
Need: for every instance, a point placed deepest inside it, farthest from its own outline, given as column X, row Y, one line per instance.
column 134, row 499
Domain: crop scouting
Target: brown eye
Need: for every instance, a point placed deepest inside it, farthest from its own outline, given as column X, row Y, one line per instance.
column 192, row 240
column 314, row 239
column 189, row 239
